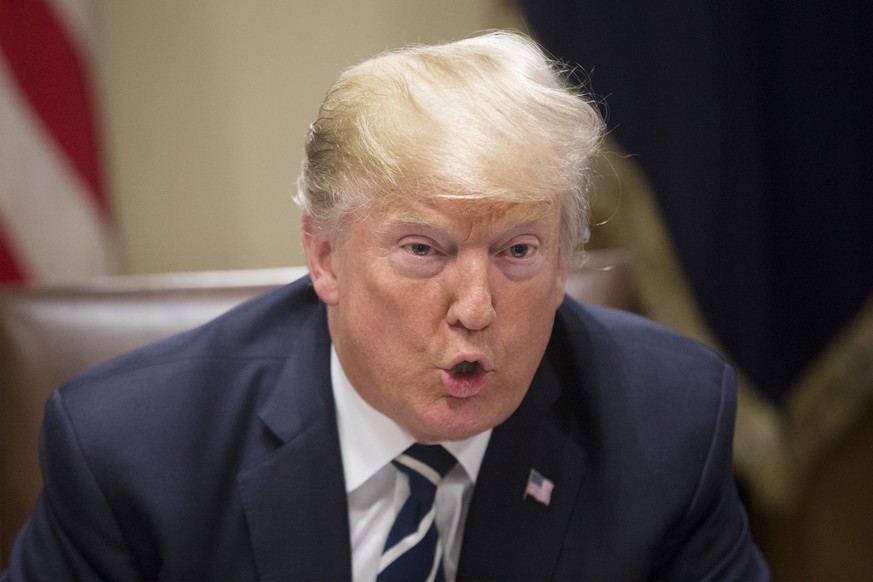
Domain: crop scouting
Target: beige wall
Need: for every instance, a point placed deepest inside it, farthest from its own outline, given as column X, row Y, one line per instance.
column 205, row 104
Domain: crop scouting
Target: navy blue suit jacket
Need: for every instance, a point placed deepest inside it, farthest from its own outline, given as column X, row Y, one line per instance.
column 214, row 455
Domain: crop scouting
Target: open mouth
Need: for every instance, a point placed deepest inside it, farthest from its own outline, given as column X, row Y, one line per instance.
column 466, row 378
column 466, row 368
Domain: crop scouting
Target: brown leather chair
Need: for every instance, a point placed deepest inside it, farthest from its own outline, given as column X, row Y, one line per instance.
column 49, row 333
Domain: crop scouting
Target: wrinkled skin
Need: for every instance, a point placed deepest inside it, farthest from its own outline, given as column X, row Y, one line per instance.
column 440, row 309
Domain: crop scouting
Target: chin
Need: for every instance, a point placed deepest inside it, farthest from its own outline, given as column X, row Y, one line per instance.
column 453, row 428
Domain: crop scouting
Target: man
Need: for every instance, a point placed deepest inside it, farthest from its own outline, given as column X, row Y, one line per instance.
column 444, row 199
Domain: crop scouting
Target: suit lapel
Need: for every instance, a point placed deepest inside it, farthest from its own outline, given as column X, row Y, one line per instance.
column 509, row 536
column 295, row 500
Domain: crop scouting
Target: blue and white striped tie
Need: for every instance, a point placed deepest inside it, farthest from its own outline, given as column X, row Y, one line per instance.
column 413, row 551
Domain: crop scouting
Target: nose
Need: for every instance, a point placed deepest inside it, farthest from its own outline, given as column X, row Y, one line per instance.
column 472, row 304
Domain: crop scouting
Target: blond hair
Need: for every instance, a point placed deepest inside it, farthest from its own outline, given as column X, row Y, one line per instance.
column 486, row 117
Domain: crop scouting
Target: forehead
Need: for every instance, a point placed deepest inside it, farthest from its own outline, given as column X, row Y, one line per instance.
column 449, row 213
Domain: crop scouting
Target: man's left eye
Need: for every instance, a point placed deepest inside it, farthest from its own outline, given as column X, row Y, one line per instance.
column 519, row 251
column 420, row 249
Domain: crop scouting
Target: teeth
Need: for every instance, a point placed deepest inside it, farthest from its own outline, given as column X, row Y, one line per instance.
column 466, row 368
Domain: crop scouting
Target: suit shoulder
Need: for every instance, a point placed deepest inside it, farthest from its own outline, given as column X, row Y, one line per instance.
column 632, row 336
column 628, row 369
column 247, row 345
column 259, row 327
column 208, row 385
column 644, row 398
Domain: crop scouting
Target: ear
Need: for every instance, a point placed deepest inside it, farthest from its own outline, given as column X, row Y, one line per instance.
column 319, row 246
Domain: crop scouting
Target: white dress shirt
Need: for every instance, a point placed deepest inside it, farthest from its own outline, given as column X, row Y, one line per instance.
column 376, row 490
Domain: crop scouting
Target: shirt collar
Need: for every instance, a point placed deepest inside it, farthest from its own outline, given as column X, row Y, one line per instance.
column 369, row 440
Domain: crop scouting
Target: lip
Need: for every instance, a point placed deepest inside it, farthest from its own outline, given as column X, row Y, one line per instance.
column 466, row 385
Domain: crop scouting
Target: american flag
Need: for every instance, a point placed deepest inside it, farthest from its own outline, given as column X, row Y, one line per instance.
column 55, row 220
column 539, row 487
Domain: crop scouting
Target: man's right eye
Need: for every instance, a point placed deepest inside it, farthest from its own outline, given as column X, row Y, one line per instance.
column 420, row 249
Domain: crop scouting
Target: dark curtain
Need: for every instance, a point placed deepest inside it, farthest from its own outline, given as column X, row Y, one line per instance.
column 752, row 121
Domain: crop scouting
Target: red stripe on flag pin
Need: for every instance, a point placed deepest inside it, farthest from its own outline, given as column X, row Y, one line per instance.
column 539, row 487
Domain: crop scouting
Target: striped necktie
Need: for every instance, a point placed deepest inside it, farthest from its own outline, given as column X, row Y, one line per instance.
column 413, row 550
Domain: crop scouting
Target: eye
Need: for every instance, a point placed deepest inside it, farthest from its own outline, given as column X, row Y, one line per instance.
column 519, row 251
column 420, row 249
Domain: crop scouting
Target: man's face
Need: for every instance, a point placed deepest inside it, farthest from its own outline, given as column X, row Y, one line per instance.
column 440, row 309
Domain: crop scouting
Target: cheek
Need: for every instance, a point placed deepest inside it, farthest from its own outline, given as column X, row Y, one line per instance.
column 536, row 303
column 391, row 313
column 529, row 319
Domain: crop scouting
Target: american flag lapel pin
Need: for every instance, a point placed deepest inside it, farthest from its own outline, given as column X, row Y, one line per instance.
column 539, row 487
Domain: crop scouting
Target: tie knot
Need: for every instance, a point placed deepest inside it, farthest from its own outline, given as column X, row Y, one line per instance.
column 431, row 462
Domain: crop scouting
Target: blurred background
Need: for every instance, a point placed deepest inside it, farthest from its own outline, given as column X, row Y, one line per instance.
column 200, row 110
column 150, row 137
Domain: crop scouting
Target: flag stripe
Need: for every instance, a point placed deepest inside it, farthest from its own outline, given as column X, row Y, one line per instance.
column 76, row 17
column 45, row 62
column 52, row 228
column 10, row 270
column 53, row 208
